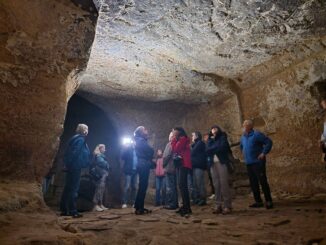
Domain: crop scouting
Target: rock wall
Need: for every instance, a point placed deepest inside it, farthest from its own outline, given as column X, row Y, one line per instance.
column 42, row 43
column 283, row 103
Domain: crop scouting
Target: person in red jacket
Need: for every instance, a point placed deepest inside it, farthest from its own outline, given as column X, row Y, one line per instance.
column 182, row 158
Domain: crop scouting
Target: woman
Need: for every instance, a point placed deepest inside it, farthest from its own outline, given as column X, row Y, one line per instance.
column 101, row 166
column 181, row 150
column 199, row 166
column 218, row 148
column 160, row 180
column 171, row 177
column 144, row 154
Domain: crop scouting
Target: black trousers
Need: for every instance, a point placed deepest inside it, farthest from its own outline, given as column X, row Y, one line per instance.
column 183, row 186
column 257, row 176
column 68, row 203
column 143, row 172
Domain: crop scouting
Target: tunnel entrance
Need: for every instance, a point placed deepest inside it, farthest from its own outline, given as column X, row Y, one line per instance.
column 101, row 131
column 318, row 90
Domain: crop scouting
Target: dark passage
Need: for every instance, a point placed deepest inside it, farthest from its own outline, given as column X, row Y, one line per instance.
column 101, row 131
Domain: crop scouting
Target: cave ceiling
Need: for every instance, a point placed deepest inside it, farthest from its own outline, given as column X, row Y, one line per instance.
column 189, row 50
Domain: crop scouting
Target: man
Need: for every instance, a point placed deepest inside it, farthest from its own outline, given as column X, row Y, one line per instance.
column 76, row 157
column 145, row 155
column 255, row 146
column 129, row 160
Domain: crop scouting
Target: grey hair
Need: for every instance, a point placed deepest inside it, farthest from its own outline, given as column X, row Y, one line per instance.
column 139, row 131
column 81, row 128
column 250, row 122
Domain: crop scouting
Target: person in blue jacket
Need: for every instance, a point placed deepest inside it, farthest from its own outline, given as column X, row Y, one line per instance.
column 255, row 146
column 145, row 154
column 76, row 157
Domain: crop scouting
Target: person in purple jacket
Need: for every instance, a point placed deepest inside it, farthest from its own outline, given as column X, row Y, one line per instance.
column 255, row 146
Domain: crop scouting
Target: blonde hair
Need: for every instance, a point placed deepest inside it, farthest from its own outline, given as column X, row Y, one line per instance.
column 97, row 149
column 81, row 128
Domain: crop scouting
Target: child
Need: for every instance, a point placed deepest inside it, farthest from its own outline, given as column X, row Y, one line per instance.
column 160, row 179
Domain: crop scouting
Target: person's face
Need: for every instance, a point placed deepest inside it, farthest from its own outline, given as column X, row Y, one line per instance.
column 86, row 131
column 159, row 152
column 206, row 137
column 102, row 149
column 214, row 131
column 145, row 131
column 193, row 137
column 323, row 104
column 176, row 133
column 247, row 127
column 171, row 136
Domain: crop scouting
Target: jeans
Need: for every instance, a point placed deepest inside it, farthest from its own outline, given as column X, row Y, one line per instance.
column 99, row 191
column 68, row 203
column 160, row 186
column 220, row 177
column 257, row 175
column 199, row 184
column 171, row 191
column 183, row 174
column 130, row 183
column 190, row 181
column 143, row 172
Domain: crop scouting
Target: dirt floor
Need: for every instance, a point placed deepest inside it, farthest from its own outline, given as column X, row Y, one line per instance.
column 292, row 221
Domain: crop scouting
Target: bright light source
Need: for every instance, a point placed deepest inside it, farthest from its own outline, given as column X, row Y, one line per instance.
column 126, row 141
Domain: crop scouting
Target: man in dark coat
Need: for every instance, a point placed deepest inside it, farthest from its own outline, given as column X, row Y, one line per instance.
column 76, row 157
column 145, row 154
column 199, row 166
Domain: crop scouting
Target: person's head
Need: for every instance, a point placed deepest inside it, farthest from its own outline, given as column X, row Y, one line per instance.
column 82, row 129
column 215, row 129
column 196, row 136
column 141, row 131
column 159, row 153
column 206, row 137
column 179, row 132
column 170, row 136
column 248, row 125
column 323, row 103
column 99, row 149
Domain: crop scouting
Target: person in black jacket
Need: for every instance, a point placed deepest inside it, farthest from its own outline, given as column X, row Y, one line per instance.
column 218, row 149
column 199, row 164
column 145, row 154
column 76, row 157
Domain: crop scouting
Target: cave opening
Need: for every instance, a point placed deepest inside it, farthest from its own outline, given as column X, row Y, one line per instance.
column 102, row 130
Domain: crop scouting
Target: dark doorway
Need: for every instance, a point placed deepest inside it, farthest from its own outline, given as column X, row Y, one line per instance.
column 101, row 131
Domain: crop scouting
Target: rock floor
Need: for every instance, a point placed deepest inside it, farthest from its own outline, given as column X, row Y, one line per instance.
column 290, row 222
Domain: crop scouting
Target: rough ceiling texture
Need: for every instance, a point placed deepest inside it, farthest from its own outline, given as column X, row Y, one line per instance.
column 188, row 50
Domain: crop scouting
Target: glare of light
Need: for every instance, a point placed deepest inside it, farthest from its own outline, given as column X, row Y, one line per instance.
column 126, row 141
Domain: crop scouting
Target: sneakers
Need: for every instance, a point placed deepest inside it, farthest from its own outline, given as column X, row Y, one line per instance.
column 201, row 203
column 185, row 212
column 218, row 210
column 212, row 197
column 98, row 208
column 104, row 208
column 256, row 205
column 269, row 205
column 226, row 211
column 124, row 205
column 77, row 215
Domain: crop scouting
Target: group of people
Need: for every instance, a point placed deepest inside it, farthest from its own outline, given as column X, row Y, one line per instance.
column 182, row 163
